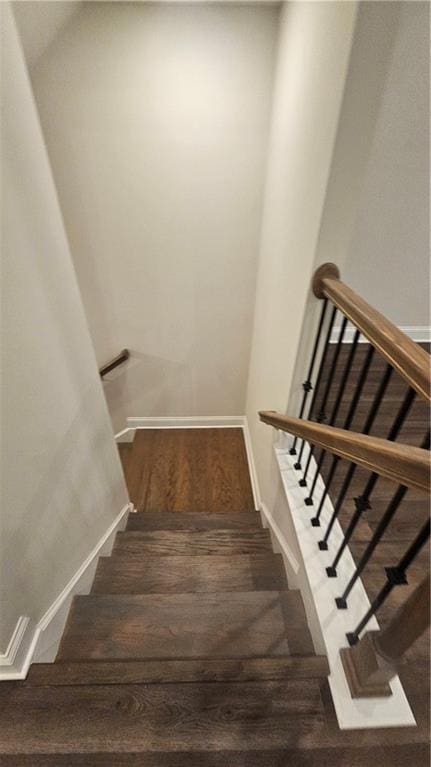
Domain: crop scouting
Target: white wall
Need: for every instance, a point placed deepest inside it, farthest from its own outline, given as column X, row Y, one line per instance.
column 314, row 46
column 313, row 54
column 61, row 480
column 388, row 258
column 156, row 120
column 377, row 29
column 40, row 22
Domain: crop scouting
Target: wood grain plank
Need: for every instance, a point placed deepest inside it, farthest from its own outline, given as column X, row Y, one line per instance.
column 174, row 671
column 200, row 520
column 222, row 625
column 135, row 574
column 385, row 756
column 189, row 470
column 190, row 542
column 168, row 717
column 201, row 718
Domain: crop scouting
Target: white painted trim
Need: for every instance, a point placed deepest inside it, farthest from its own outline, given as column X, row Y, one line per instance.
column 70, row 587
column 8, row 658
column 361, row 713
column 39, row 642
column 251, row 465
column 418, row 333
column 186, row 422
column 125, row 435
column 281, row 540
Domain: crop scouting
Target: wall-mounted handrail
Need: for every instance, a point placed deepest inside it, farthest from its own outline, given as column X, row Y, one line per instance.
column 122, row 357
column 408, row 358
column 404, row 464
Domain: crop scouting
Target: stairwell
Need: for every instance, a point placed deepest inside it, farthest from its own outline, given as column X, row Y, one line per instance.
column 190, row 649
column 190, row 638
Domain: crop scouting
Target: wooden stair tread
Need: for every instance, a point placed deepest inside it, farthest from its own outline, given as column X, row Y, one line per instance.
column 178, row 670
column 136, row 574
column 198, row 520
column 189, row 542
column 217, row 625
column 171, row 717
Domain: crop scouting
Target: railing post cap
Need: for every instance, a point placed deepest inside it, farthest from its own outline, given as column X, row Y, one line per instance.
column 326, row 270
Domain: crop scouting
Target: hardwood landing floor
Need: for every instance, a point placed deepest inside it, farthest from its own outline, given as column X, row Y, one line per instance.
column 189, row 470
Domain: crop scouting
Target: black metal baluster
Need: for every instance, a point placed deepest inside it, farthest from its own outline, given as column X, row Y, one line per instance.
column 319, row 379
column 362, row 502
column 333, row 418
column 347, row 423
column 396, row 576
column 393, row 434
column 321, row 416
column 307, row 385
column 323, row 544
column 341, row 602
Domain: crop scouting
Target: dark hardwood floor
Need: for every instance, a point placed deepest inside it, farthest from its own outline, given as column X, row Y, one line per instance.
column 189, row 470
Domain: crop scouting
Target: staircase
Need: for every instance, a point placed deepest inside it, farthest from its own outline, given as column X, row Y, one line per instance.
column 189, row 641
column 190, row 599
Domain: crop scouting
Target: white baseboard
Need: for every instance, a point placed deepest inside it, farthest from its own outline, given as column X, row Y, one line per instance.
column 38, row 642
column 125, row 435
column 9, row 657
column 280, row 538
column 418, row 333
column 251, row 466
column 186, row 422
column 178, row 422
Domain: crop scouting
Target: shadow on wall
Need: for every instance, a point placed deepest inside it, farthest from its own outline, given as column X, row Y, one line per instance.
column 72, row 486
column 149, row 386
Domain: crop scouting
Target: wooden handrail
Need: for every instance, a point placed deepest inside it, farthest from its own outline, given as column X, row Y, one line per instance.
column 404, row 464
column 123, row 356
column 406, row 356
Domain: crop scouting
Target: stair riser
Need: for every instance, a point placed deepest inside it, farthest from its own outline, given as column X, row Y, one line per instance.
column 176, row 575
column 222, row 625
column 191, row 542
column 174, row 671
column 147, row 520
